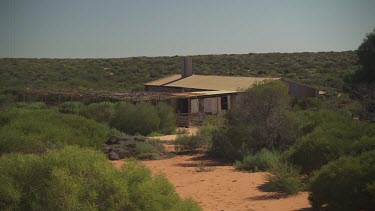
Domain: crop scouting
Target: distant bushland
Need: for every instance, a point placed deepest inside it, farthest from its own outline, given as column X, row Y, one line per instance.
column 321, row 69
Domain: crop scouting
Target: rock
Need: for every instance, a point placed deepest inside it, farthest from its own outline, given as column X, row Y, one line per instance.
column 113, row 140
column 113, row 156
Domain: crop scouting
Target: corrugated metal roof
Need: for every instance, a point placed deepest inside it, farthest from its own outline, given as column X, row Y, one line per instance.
column 206, row 93
column 214, row 82
column 164, row 80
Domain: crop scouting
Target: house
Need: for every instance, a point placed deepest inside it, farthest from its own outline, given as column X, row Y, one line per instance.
column 213, row 94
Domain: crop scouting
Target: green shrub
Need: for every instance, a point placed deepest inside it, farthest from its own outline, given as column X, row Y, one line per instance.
column 259, row 161
column 185, row 143
column 332, row 136
column 229, row 144
column 82, row 179
column 132, row 119
column 259, row 120
column 346, row 184
column 167, row 118
column 70, row 107
column 35, row 105
column 284, row 178
column 145, row 150
column 100, row 112
column 23, row 130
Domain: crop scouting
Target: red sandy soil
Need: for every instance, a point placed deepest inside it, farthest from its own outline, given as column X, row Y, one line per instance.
column 223, row 188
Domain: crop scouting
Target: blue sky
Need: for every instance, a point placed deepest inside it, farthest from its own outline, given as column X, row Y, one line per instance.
column 120, row 28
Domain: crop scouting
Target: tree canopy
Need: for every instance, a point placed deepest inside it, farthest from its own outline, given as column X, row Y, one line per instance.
column 366, row 56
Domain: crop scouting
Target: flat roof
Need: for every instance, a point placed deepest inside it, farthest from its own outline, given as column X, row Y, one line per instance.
column 164, row 80
column 210, row 82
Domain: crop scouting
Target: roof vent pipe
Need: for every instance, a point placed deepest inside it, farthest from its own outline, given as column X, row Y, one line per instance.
column 187, row 67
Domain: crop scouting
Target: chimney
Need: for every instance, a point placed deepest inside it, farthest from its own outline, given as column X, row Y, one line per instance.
column 187, row 67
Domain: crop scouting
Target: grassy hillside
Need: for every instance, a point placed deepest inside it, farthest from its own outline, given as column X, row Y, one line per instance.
column 319, row 69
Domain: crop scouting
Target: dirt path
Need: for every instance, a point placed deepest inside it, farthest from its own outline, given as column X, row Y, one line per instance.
column 223, row 188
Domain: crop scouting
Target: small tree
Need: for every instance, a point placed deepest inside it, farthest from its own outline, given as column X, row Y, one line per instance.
column 259, row 120
column 366, row 56
column 167, row 118
column 132, row 119
column 262, row 115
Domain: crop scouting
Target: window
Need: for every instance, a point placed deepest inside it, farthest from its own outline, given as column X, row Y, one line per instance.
column 224, row 103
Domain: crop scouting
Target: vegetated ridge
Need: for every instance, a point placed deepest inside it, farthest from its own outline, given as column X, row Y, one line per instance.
column 325, row 70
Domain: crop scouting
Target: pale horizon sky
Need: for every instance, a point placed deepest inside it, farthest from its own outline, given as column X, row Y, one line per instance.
column 128, row 28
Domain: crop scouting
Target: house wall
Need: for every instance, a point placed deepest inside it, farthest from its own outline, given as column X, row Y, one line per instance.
column 210, row 105
column 298, row 90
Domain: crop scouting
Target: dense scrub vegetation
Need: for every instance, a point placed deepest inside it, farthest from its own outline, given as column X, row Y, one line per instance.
column 202, row 141
column 328, row 136
column 302, row 146
column 35, row 130
column 131, row 119
column 346, row 184
column 259, row 121
column 143, row 118
column 319, row 69
column 82, row 179
column 40, row 169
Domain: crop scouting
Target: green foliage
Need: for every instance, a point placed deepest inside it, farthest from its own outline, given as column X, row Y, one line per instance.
column 167, row 118
column 6, row 100
column 259, row 120
column 31, row 131
column 366, row 55
column 131, row 119
column 307, row 103
column 259, row 161
column 71, row 107
column 100, row 112
column 35, row 105
column 82, row 179
column 320, row 69
column 284, row 178
column 329, row 136
column 145, row 150
column 346, row 184
column 185, row 143
column 201, row 141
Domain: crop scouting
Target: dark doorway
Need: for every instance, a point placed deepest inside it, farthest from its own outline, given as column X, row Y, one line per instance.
column 182, row 106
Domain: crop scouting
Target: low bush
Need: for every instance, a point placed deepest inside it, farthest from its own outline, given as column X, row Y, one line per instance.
column 284, row 179
column 201, row 141
column 259, row 161
column 332, row 136
column 252, row 126
column 100, row 112
column 167, row 118
column 70, row 107
column 145, row 150
column 82, row 179
column 133, row 119
column 120, row 147
column 32, row 131
column 203, row 167
column 35, row 105
column 346, row 184
column 188, row 143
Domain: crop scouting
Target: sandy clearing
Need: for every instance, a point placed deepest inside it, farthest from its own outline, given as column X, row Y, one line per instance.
column 220, row 189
